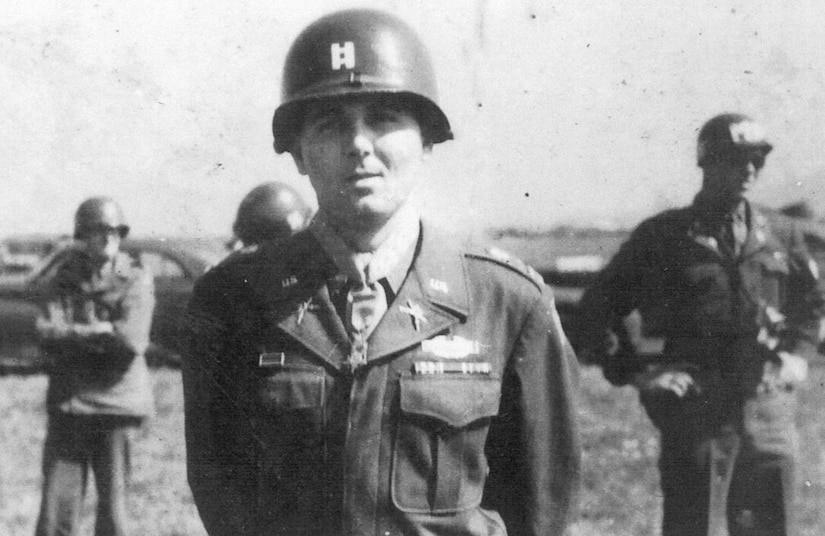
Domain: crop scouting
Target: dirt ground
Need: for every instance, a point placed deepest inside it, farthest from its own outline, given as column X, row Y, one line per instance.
column 619, row 497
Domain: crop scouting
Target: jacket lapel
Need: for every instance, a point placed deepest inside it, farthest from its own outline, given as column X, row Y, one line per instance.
column 759, row 234
column 433, row 297
column 314, row 323
column 700, row 234
column 293, row 289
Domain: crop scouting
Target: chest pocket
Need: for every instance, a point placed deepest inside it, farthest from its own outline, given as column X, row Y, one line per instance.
column 291, row 426
column 292, row 387
column 439, row 464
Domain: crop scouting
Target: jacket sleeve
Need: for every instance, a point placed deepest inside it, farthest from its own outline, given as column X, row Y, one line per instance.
column 805, row 302
column 216, row 481
column 131, row 323
column 605, row 332
column 534, row 449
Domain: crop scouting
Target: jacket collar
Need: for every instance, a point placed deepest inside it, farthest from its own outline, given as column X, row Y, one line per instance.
column 433, row 297
column 702, row 229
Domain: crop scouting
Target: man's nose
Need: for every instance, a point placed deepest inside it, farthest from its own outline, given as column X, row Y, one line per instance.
column 361, row 138
column 751, row 169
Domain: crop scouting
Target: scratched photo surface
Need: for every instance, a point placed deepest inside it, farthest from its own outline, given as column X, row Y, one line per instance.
column 573, row 122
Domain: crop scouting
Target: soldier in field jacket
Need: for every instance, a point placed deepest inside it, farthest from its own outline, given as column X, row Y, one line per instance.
column 374, row 375
column 738, row 302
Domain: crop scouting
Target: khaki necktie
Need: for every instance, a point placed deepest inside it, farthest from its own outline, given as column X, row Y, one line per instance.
column 366, row 304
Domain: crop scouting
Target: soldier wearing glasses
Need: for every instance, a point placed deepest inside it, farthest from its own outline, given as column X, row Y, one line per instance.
column 738, row 303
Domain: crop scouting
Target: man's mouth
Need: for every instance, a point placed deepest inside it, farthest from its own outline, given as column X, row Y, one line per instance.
column 358, row 176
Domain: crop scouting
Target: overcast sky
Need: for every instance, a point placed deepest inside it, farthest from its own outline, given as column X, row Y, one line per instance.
column 565, row 112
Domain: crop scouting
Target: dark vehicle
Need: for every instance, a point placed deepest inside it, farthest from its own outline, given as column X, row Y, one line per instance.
column 175, row 263
column 22, row 254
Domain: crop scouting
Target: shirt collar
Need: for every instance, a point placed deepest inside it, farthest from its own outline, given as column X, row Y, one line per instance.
column 391, row 259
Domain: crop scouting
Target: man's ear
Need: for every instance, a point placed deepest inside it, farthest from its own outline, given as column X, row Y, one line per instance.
column 298, row 158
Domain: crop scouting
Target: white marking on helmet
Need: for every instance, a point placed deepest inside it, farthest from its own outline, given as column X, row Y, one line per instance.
column 747, row 132
column 342, row 55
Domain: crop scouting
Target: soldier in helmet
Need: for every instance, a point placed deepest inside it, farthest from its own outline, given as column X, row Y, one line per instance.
column 737, row 302
column 373, row 374
column 270, row 211
column 95, row 329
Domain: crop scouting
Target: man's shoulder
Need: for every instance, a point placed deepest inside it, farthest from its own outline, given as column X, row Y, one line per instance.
column 664, row 226
column 275, row 255
column 281, row 263
column 483, row 264
column 674, row 219
column 498, row 262
column 782, row 227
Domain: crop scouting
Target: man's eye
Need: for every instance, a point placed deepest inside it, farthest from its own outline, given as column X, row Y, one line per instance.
column 385, row 116
column 326, row 124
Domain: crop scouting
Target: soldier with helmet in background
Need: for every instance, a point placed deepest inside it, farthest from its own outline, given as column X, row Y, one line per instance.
column 95, row 330
column 737, row 302
column 374, row 374
column 270, row 211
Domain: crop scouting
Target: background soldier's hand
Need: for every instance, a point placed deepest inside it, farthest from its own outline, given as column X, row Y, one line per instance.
column 676, row 381
column 49, row 329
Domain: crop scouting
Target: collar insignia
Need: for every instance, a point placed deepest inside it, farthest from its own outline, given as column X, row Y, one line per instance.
column 440, row 286
column 303, row 307
column 415, row 311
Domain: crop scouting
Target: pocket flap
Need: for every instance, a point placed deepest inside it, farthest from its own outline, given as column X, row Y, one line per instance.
column 455, row 399
column 294, row 387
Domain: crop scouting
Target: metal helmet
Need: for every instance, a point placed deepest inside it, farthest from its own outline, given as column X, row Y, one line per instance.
column 728, row 134
column 358, row 52
column 99, row 213
column 271, row 210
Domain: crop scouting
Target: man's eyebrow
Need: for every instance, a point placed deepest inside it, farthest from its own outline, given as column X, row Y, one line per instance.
column 324, row 110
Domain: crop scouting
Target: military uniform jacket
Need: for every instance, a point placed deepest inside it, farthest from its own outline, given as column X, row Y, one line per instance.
column 716, row 313
column 461, row 422
column 104, row 374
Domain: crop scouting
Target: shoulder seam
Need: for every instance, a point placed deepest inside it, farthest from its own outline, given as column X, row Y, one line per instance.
column 515, row 265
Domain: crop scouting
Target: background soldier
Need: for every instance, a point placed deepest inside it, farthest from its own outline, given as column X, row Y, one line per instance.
column 372, row 376
column 738, row 304
column 270, row 211
column 99, row 311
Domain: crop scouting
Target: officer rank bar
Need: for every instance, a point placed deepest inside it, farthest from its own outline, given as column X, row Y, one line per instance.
column 451, row 367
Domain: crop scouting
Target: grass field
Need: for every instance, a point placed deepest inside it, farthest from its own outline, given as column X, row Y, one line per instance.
column 619, row 497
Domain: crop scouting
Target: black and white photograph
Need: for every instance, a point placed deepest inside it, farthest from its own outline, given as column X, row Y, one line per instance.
column 412, row 268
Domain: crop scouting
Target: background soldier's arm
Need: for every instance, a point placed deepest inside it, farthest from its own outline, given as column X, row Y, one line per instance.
column 607, row 330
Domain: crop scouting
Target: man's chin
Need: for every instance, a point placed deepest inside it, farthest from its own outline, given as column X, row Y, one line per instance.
column 374, row 207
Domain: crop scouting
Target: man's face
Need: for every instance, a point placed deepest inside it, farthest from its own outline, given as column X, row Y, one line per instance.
column 362, row 158
column 103, row 244
column 732, row 178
